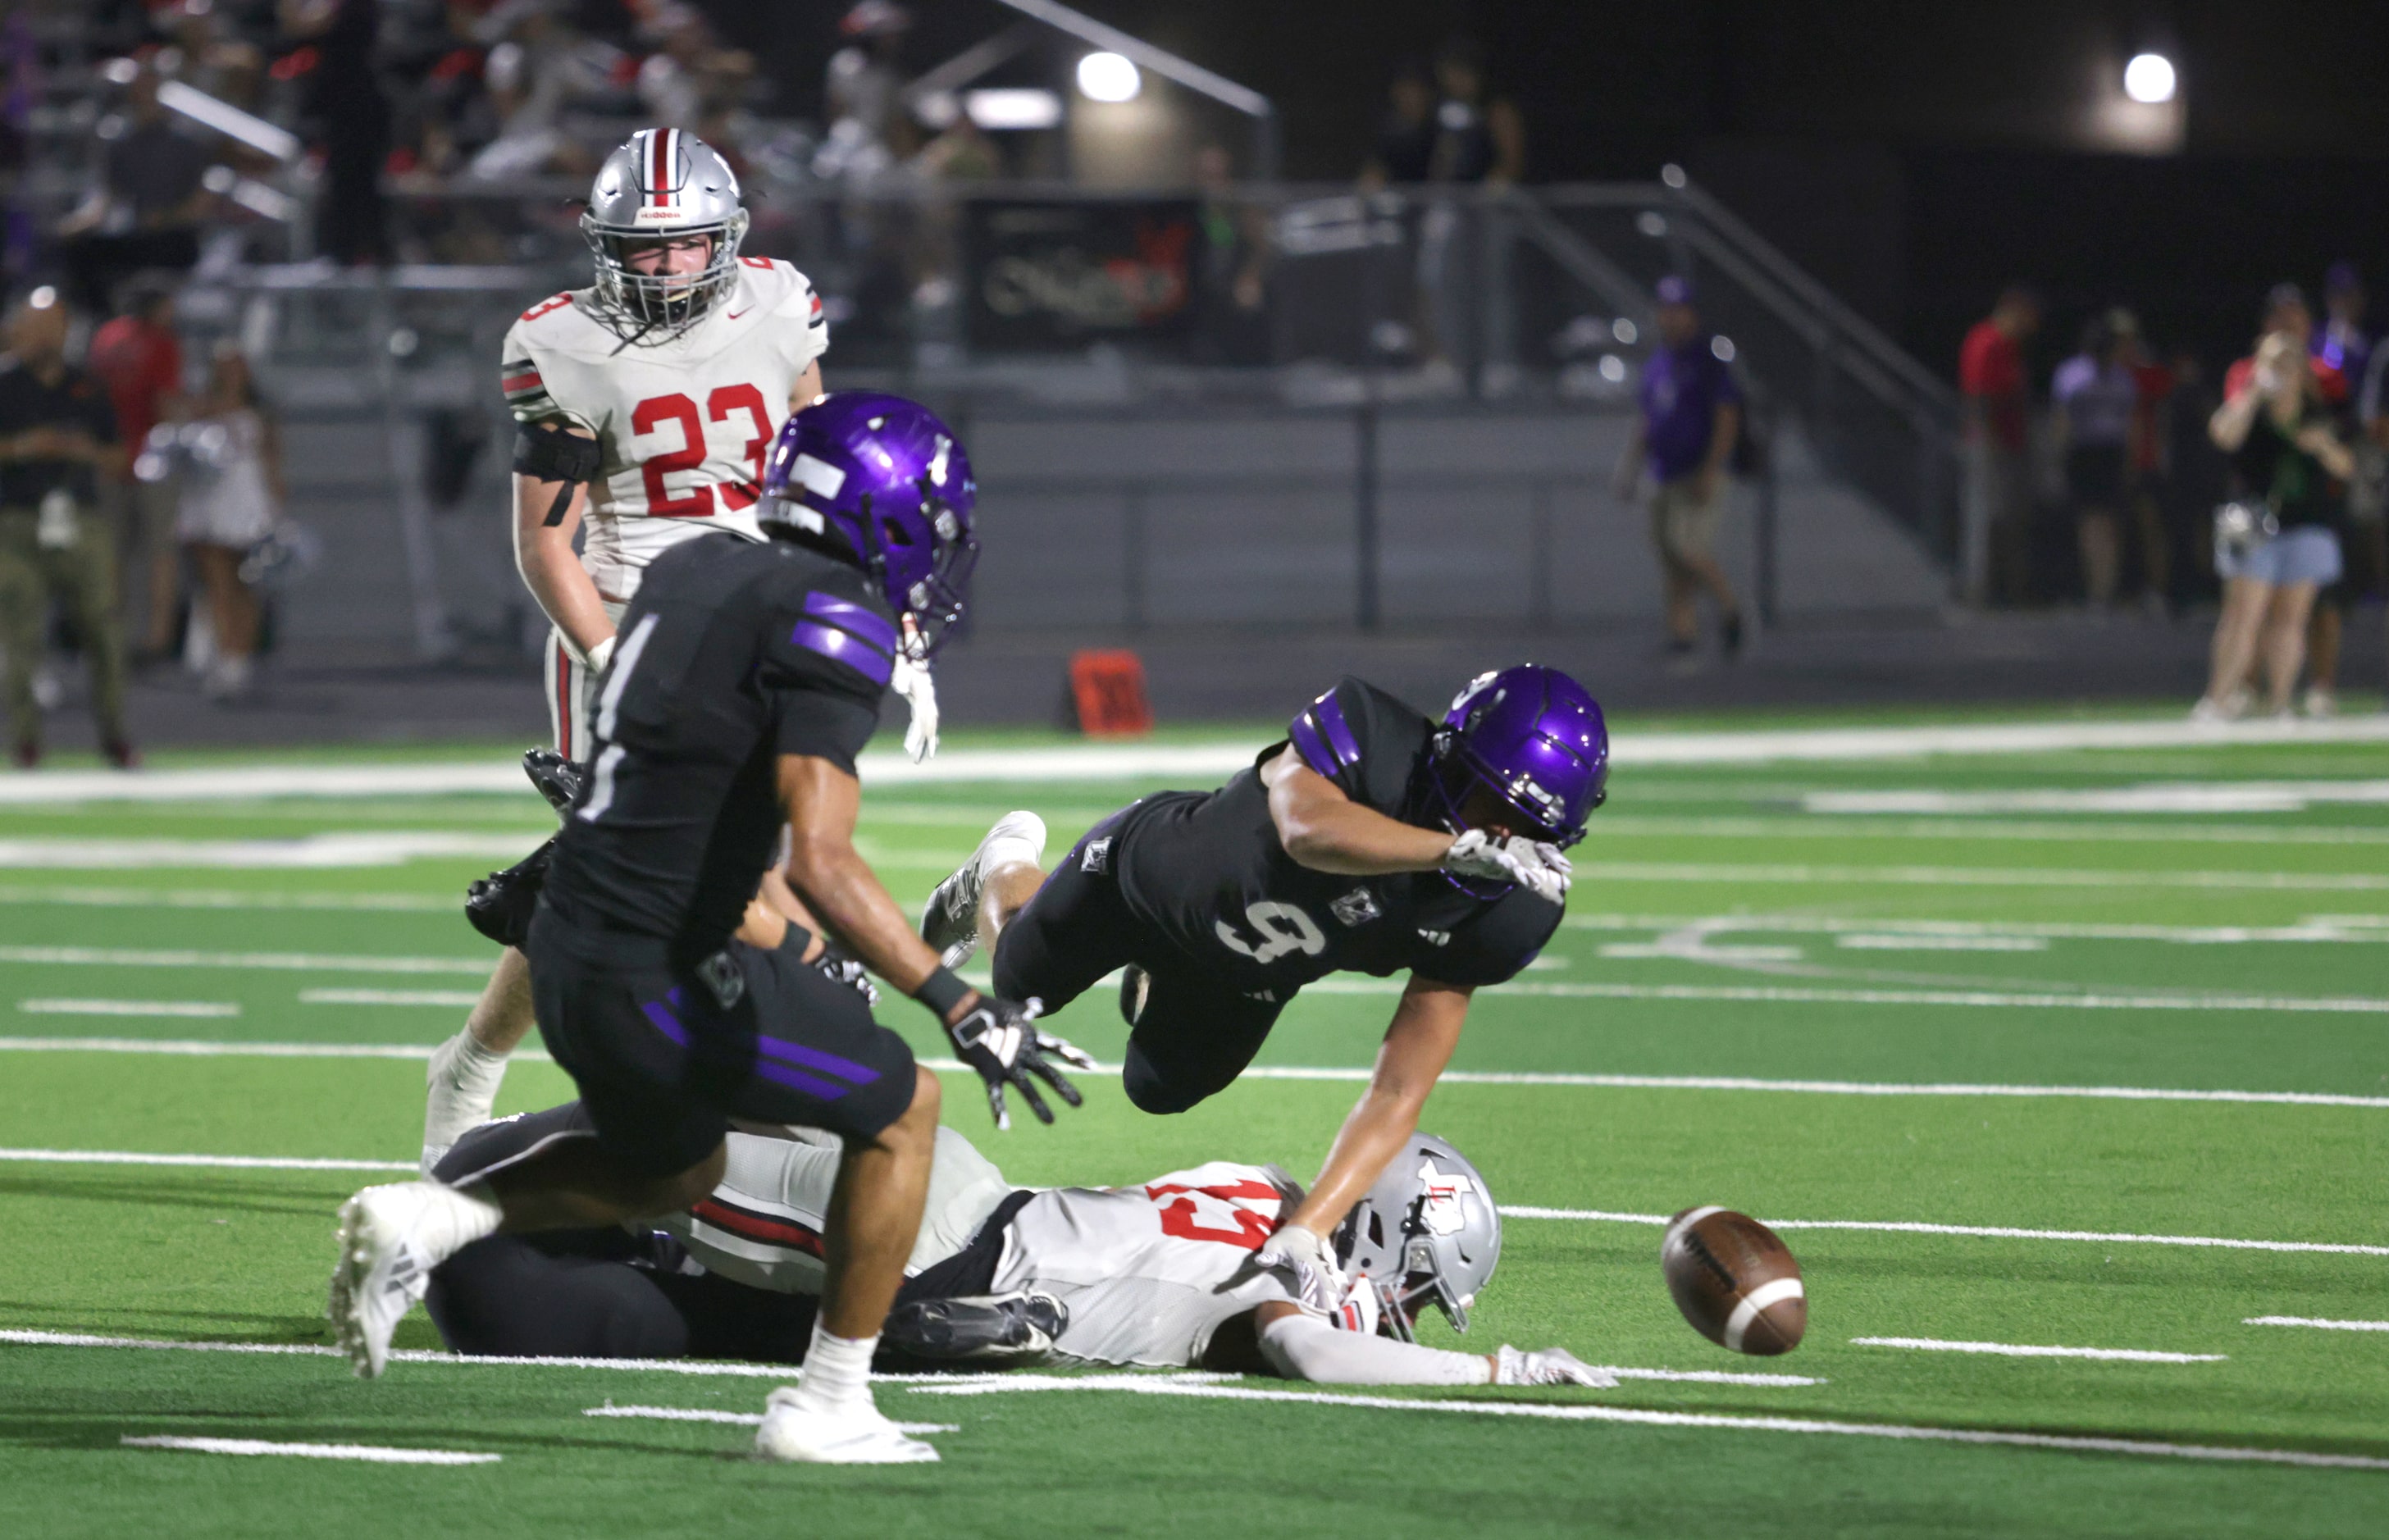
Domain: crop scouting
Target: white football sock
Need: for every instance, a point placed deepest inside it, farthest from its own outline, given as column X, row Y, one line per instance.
column 837, row 1370
column 463, row 1080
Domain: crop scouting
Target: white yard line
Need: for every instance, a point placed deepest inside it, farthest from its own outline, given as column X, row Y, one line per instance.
column 321, row 963
column 312, row 851
column 370, row 1453
column 1195, row 762
column 737, row 1420
column 128, row 1007
column 1612, row 824
column 417, row 1355
column 1580, row 1412
column 190, row 1048
column 2321, row 1325
column 2172, row 797
column 2019, row 1350
column 226, row 898
column 453, row 998
column 1971, row 999
column 1984, row 876
column 2326, row 928
column 1993, row 1233
column 239, row 1162
column 1864, row 942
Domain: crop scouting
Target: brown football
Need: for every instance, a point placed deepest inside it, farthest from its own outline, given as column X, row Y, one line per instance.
column 1735, row 1280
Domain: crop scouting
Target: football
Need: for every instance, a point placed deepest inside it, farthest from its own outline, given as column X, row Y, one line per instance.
column 1735, row 1280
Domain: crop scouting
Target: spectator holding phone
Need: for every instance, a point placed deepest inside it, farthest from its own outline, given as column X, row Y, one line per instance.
column 2280, row 544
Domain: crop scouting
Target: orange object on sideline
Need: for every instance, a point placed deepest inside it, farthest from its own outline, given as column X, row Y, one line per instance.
column 1108, row 689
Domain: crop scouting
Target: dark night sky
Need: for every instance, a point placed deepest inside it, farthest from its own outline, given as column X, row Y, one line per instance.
column 1915, row 154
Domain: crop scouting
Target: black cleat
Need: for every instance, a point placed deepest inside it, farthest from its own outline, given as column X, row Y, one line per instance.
column 559, row 780
column 985, row 1326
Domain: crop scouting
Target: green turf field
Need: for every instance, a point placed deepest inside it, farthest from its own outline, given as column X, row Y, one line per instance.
column 1891, row 1002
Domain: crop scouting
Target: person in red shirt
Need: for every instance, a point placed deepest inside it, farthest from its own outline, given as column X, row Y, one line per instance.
column 1991, row 379
column 140, row 360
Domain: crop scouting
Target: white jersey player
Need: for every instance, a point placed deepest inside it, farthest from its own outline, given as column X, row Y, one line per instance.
column 1163, row 1274
column 645, row 405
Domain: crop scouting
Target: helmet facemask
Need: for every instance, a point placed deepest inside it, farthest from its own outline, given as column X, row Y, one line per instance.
column 932, row 605
column 670, row 301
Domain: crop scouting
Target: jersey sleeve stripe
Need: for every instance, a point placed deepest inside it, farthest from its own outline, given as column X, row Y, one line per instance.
column 1323, row 738
column 748, row 1225
column 846, row 648
column 849, row 616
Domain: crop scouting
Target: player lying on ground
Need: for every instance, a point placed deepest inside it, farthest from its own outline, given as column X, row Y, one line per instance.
column 1161, row 1274
column 750, row 678
column 643, row 406
column 1370, row 839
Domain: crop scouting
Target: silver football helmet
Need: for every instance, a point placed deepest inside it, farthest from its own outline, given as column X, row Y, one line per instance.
column 662, row 182
column 1428, row 1233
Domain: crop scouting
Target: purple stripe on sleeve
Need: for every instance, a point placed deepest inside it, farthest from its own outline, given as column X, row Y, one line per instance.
column 666, row 1023
column 1305, row 743
column 829, row 1063
column 797, row 1079
column 846, row 648
column 1329, row 712
column 847, row 614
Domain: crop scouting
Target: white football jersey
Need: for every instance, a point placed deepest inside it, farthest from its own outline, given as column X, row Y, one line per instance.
column 762, row 1225
column 683, row 426
column 1150, row 1272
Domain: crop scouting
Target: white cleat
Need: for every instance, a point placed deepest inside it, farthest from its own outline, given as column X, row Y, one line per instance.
column 951, row 922
column 853, row 1435
column 382, row 1273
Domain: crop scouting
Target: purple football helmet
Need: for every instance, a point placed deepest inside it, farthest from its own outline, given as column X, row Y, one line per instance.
column 1534, row 738
column 883, row 481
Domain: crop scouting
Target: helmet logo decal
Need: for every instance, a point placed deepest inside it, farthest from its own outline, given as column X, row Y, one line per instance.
column 1439, row 1209
column 818, row 476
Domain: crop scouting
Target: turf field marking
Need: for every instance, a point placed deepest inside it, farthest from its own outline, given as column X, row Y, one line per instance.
column 1864, row 942
column 1784, row 995
column 146, row 897
column 2205, row 797
column 312, row 851
column 2323, row 1324
column 1984, row 876
column 374, row 1454
column 246, row 1162
column 323, row 963
column 1580, row 1412
column 462, row 999
column 1724, row 826
column 2018, row 1350
column 1994, row 1232
column 419, row 1355
column 2314, row 928
column 204, row 1049
column 741, row 1420
column 127, row 1008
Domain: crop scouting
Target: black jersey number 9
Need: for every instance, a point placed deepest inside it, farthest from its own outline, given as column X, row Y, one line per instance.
column 1281, row 929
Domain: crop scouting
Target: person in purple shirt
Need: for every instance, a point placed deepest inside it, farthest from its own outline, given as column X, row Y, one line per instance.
column 1690, row 414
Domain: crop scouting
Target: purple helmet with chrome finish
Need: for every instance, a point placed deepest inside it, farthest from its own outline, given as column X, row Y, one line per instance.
column 1532, row 737
column 880, row 482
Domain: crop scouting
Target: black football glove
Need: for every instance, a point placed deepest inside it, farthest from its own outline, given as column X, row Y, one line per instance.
column 999, row 1040
column 559, row 779
column 501, row 904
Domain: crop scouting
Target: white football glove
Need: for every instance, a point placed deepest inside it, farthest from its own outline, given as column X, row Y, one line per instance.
column 1552, row 1366
column 596, row 658
column 912, row 681
column 1305, row 1257
column 1542, row 869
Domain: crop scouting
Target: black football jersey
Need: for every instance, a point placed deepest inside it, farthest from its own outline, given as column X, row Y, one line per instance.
column 731, row 654
column 1206, row 869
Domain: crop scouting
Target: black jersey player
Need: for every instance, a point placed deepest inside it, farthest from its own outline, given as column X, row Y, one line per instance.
column 749, row 678
column 1372, row 839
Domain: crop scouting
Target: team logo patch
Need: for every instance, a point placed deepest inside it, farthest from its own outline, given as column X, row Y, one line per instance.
column 1436, row 938
column 1356, row 908
column 1267, row 997
column 1439, row 1210
column 722, row 980
column 1096, row 858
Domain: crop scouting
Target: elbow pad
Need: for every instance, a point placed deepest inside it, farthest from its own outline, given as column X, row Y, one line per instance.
column 547, row 452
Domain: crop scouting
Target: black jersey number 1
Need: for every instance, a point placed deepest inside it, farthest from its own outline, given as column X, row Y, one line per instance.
column 609, row 703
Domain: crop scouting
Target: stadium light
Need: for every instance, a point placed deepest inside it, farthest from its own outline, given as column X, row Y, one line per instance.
column 1000, row 107
column 2149, row 79
column 1105, row 77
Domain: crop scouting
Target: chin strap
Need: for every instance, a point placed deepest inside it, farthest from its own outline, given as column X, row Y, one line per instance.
column 910, row 680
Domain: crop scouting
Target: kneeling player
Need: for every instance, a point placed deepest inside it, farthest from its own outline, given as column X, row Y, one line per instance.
column 1371, row 839
column 1162, row 1274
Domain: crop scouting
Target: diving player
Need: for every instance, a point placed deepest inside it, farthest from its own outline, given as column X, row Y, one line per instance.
column 1371, row 839
column 645, row 405
column 749, row 677
column 1161, row 1273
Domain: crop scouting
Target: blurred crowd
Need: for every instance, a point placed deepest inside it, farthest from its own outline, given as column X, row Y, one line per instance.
column 2139, row 477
